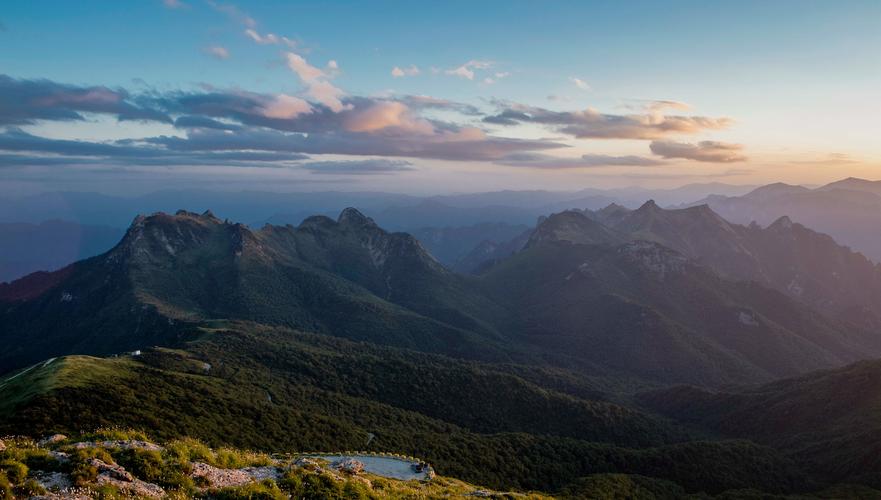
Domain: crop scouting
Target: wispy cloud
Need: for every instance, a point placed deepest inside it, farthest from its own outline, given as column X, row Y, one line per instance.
column 592, row 124
column 704, row 151
column 829, row 159
column 217, row 52
column 398, row 72
column 467, row 70
column 269, row 38
column 174, row 4
column 548, row 162
column 496, row 77
column 233, row 13
column 358, row 167
column 578, row 82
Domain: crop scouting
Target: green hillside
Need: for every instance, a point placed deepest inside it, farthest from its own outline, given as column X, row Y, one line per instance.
column 828, row 420
column 477, row 422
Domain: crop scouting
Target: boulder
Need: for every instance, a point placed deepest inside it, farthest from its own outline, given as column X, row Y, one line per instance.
column 307, row 463
column 349, row 466
column 219, row 478
column 53, row 439
column 111, row 470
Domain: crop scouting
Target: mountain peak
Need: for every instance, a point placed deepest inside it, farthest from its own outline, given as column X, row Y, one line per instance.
column 782, row 223
column 649, row 205
column 352, row 217
column 575, row 227
column 208, row 214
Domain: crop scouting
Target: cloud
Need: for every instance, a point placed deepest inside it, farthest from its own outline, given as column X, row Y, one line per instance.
column 578, row 82
column 591, row 124
column 316, row 80
column 269, row 38
column 464, row 144
column 215, row 120
column 467, row 70
column 286, row 107
column 384, row 115
column 174, row 4
column 233, row 13
column 359, row 167
column 496, row 77
column 402, row 72
column 705, row 151
column 542, row 161
column 30, row 149
column 203, row 122
column 217, row 52
column 24, row 102
column 830, row 159
column 428, row 102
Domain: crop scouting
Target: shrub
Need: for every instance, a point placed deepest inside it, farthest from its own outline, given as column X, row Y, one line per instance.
column 5, row 488
column 39, row 459
column 84, row 454
column 316, row 486
column 144, row 464
column 264, row 490
column 108, row 492
column 83, row 474
column 30, row 488
column 15, row 471
column 116, row 434
column 189, row 450
column 354, row 490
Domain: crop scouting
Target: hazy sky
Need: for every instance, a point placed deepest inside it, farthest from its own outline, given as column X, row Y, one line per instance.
column 436, row 97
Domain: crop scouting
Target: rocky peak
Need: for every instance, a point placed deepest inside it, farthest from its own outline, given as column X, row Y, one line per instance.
column 208, row 214
column 575, row 227
column 782, row 224
column 649, row 206
column 352, row 217
column 150, row 236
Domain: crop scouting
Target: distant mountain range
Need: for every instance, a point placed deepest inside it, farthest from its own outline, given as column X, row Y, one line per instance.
column 350, row 278
column 560, row 358
column 848, row 210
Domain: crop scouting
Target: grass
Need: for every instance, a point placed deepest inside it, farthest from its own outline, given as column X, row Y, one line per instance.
column 68, row 371
column 171, row 467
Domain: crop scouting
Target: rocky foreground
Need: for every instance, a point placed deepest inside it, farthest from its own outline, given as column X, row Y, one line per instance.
column 126, row 464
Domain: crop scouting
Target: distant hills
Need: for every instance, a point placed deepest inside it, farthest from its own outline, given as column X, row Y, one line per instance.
column 848, row 210
column 447, row 225
column 550, row 303
column 645, row 342
column 827, row 419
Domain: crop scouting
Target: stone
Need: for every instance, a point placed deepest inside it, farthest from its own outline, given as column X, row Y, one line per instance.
column 307, row 463
column 220, row 478
column 112, row 470
column 52, row 481
column 53, row 439
column 349, row 466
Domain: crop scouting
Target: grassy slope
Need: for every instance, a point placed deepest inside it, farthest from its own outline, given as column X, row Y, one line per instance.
column 168, row 393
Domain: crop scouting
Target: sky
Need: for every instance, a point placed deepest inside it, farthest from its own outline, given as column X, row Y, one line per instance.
column 425, row 98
